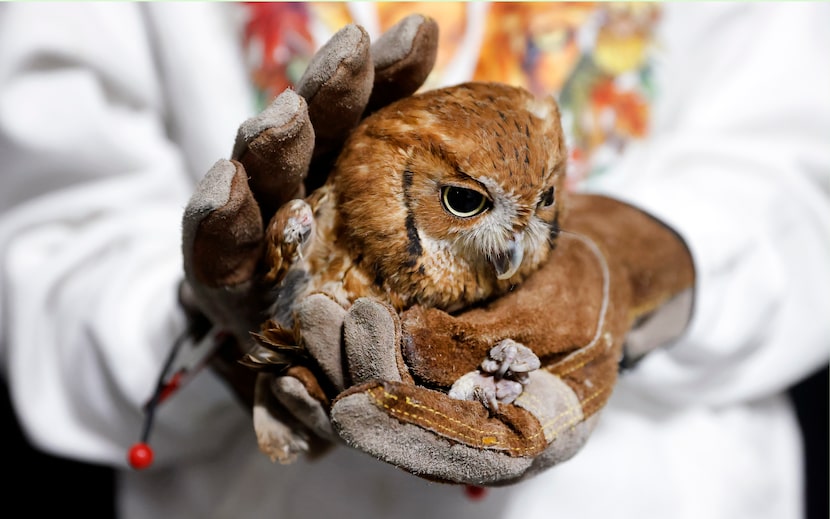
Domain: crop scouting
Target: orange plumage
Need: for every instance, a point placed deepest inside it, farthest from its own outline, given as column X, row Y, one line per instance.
column 444, row 199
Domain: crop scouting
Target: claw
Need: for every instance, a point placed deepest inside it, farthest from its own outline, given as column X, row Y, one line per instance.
column 475, row 386
column 509, row 359
column 487, row 396
column 299, row 222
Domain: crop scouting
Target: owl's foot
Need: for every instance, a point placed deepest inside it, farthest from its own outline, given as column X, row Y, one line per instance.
column 298, row 224
column 288, row 235
column 501, row 377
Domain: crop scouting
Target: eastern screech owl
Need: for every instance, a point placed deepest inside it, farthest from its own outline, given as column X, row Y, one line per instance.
column 443, row 199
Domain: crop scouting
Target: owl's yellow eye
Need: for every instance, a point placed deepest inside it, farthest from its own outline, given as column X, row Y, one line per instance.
column 463, row 202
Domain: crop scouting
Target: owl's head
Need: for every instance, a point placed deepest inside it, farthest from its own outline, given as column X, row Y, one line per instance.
column 453, row 195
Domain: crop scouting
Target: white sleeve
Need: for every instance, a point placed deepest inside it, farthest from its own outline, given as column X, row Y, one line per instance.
column 90, row 213
column 738, row 161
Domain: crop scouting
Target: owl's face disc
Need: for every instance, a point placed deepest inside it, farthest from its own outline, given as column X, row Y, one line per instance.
column 452, row 196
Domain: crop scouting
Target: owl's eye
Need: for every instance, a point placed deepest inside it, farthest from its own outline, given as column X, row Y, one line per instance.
column 547, row 198
column 463, row 202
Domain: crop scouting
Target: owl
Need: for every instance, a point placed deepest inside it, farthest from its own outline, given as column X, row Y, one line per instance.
column 444, row 199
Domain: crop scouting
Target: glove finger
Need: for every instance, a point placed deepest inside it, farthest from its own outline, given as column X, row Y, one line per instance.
column 222, row 244
column 275, row 436
column 222, row 228
column 275, row 147
column 431, row 435
column 336, row 85
column 300, row 394
column 319, row 320
column 653, row 261
column 403, row 57
column 372, row 333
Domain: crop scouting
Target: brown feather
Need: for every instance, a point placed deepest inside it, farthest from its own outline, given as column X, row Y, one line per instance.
column 382, row 227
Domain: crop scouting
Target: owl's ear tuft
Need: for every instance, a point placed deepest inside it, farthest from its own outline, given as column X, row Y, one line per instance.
column 544, row 108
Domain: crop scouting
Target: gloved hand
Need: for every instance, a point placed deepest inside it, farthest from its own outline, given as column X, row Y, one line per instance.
column 618, row 284
column 486, row 397
column 281, row 154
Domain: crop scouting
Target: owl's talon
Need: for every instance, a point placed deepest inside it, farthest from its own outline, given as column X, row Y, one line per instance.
column 510, row 359
column 476, row 386
column 299, row 223
column 289, row 233
column 305, row 234
column 487, row 396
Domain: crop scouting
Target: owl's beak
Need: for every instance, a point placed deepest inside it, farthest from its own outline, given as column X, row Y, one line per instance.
column 509, row 261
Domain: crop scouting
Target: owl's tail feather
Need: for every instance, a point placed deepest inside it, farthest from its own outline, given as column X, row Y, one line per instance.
column 276, row 349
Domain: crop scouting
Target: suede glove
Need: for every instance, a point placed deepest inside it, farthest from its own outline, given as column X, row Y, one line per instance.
column 618, row 284
column 485, row 397
column 281, row 154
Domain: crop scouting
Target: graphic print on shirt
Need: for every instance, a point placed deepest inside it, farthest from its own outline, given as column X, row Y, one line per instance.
column 595, row 58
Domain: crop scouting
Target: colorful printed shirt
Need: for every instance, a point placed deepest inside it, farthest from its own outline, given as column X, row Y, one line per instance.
column 595, row 58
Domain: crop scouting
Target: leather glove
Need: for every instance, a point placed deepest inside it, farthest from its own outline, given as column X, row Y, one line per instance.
column 281, row 154
column 618, row 284
column 486, row 397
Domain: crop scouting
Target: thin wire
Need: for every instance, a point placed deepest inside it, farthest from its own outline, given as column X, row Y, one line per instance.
column 150, row 408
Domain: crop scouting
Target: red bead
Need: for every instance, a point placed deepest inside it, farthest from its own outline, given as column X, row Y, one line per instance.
column 474, row 492
column 140, row 456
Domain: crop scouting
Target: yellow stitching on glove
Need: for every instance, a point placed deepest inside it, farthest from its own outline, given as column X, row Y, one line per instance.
column 485, row 437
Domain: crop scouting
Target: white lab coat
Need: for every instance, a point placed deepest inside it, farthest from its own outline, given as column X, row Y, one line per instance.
column 109, row 114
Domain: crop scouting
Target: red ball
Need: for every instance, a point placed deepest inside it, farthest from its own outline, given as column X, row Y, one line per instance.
column 140, row 456
column 474, row 492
